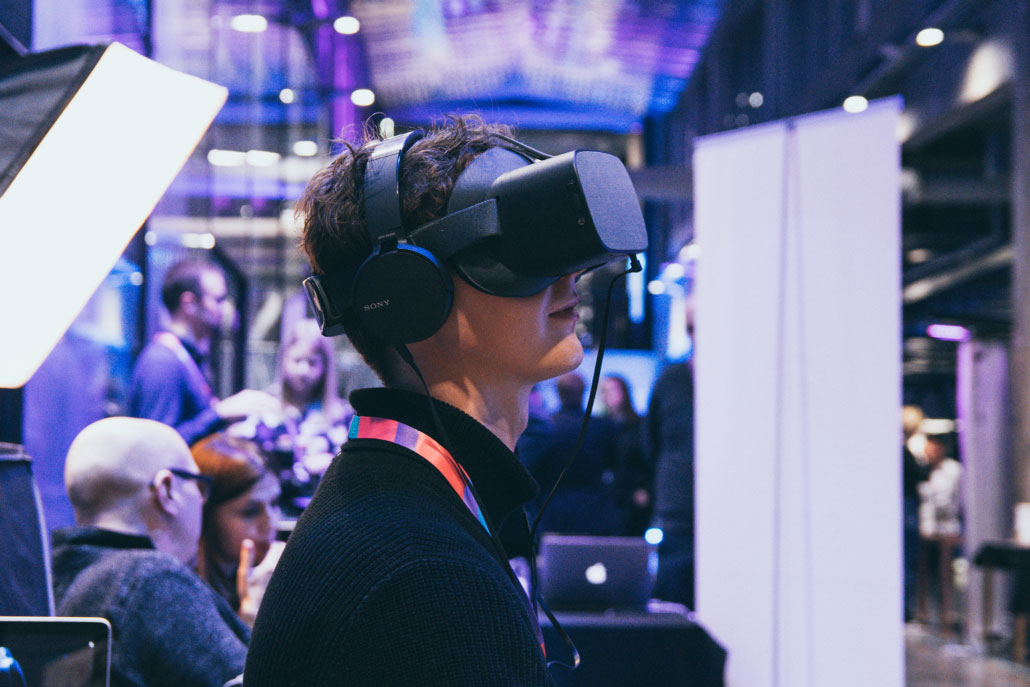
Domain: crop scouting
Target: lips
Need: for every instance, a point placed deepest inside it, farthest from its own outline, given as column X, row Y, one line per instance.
column 567, row 311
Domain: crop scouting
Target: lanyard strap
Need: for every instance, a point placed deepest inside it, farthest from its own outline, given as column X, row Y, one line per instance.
column 364, row 427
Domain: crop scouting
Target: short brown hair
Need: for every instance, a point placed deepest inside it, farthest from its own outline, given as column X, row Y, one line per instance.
column 334, row 235
column 184, row 277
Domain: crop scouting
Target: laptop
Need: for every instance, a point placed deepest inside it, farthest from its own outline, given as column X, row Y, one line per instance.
column 579, row 572
column 56, row 651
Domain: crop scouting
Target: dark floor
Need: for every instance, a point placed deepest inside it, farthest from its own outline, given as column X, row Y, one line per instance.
column 931, row 661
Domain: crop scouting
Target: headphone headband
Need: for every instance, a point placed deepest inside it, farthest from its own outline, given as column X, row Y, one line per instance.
column 382, row 188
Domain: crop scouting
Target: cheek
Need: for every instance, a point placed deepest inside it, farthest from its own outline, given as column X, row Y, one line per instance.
column 231, row 530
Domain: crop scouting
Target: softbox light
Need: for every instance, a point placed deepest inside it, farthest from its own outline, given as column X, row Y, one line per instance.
column 90, row 138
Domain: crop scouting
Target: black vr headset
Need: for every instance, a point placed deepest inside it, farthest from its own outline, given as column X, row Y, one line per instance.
column 517, row 221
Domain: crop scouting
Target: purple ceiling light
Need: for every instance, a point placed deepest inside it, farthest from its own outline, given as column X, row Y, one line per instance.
column 629, row 58
column 948, row 332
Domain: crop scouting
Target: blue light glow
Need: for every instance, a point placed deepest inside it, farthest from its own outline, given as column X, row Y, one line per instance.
column 635, row 289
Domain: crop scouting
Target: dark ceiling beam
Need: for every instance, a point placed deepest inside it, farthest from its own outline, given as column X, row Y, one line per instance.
column 959, row 117
column 854, row 64
column 876, row 56
column 10, row 46
column 922, row 289
column 996, row 191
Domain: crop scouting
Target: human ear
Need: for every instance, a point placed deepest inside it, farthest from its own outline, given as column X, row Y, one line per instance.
column 188, row 301
column 163, row 489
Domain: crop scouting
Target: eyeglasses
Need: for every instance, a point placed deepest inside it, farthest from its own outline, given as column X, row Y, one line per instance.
column 203, row 481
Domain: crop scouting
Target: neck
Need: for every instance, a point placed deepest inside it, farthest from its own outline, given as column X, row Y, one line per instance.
column 184, row 330
column 504, row 411
column 501, row 404
column 213, row 562
column 115, row 523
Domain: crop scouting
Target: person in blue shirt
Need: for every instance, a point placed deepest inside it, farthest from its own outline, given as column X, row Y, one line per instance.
column 171, row 379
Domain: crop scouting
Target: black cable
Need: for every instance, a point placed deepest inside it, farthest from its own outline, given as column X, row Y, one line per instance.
column 538, row 599
column 634, row 267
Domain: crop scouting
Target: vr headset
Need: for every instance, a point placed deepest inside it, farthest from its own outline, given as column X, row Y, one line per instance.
column 517, row 221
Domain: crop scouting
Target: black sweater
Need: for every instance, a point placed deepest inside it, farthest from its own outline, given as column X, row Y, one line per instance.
column 388, row 579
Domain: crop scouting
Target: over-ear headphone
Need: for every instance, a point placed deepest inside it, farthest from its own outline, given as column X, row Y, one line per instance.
column 401, row 292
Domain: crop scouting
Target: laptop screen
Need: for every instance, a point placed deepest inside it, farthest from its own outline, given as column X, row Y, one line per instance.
column 594, row 573
column 56, row 652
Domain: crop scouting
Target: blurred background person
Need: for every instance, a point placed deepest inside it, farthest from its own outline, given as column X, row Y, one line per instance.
column 670, row 443
column 914, row 471
column 940, row 525
column 535, row 442
column 584, row 502
column 238, row 546
column 171, row 381
column 306, row 431
column 940, row 494
column 138, row 499
column 633, row 472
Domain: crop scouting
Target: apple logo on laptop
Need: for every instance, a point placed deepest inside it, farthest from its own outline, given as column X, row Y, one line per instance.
column 597, row 573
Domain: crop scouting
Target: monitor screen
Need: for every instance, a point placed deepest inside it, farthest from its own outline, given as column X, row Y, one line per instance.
column 58, row 652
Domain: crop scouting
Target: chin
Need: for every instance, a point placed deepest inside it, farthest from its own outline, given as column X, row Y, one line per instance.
column 565, row 357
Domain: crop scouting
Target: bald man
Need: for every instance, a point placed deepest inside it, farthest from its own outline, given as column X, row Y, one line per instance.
column 138, row 497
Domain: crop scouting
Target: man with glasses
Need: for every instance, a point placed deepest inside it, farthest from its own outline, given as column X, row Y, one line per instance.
column 138, row 497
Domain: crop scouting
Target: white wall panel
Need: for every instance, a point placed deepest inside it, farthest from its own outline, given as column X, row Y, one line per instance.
column 798, row 388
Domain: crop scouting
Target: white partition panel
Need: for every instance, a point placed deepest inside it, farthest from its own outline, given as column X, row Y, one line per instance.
column 983, row 414
column 798, row 396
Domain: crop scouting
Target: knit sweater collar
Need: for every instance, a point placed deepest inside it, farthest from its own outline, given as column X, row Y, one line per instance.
column 500, row 479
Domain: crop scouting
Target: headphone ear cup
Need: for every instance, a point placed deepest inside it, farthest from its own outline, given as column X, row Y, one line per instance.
column 403, row 295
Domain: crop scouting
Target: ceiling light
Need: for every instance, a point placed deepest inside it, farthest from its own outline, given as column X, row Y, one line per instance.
column 305, row 148
column 197, row 240
column 755, row 99
column 362, row 97
column 287, row 95
column 929, row 37
column 347, row 25
column 261, row 158
column 855, row 104
column 691, row 251
column 948, row 332
column 226, row 158
column 674, row 270
column 917, row 256
column 249, row 23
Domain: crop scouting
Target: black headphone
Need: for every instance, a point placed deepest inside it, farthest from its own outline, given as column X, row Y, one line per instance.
column 402, row 293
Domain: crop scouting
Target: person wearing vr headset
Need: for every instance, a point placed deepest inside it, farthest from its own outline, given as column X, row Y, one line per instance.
column 450, row 259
